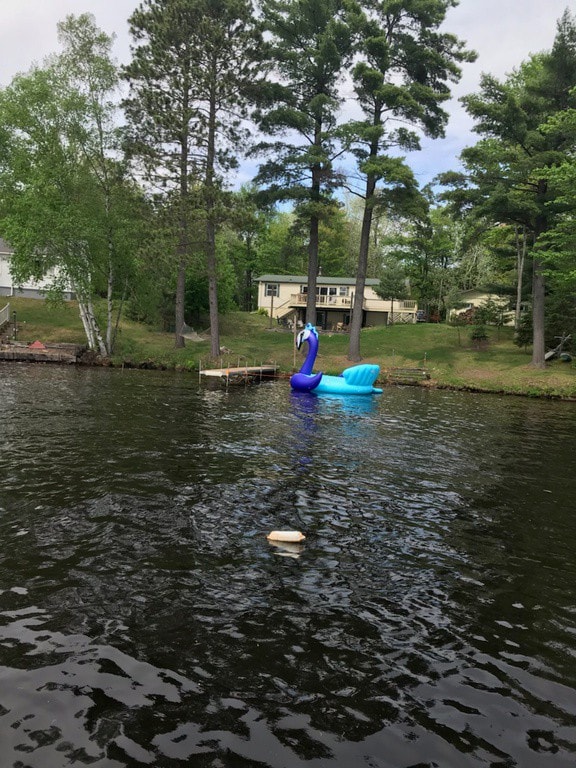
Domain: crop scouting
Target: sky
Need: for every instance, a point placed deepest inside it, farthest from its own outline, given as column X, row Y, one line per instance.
column 502, row 32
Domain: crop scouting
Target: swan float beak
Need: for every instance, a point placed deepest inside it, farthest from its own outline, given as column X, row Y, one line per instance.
column 301, row 338
column 305, row 334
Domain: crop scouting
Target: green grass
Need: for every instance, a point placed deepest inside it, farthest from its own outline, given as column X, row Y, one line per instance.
column 446, row 352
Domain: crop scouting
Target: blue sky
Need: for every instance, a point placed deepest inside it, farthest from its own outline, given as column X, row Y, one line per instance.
column 502, row 32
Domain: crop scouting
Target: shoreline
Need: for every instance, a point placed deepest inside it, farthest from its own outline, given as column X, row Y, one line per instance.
column 58, row 354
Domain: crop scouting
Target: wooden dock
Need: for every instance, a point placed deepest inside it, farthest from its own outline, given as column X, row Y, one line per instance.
column 48, row 353
column 241, row 374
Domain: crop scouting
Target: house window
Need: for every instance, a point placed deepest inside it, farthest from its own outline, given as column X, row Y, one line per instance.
column 272, row 289
column 343, row 290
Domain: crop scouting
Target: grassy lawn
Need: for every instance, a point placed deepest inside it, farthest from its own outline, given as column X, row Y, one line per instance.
column 446, row 352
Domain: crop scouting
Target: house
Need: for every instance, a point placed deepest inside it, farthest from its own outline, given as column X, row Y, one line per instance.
column 284, row 298
column 469, row 301
column 31, row 289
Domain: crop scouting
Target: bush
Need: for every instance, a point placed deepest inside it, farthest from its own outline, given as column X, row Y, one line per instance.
column 479, row 334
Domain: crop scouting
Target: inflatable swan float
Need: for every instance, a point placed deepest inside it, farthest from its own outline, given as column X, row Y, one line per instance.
column 357, row 380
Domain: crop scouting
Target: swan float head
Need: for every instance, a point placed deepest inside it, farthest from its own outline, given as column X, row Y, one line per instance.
column 305, row 335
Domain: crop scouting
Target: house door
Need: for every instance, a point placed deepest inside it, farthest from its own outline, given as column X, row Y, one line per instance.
column 321, row 318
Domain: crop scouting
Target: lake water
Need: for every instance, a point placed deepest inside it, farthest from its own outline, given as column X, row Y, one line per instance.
column 428, row 619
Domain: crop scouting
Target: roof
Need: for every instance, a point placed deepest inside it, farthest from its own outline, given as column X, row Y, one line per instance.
column 320, row 280
column 4, row 247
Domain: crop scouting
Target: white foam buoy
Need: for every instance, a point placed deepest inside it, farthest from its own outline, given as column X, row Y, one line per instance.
column 285, row 536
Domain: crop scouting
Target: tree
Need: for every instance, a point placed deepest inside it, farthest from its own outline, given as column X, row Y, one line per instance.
column 392, row 285
column 559, row 242
column 281, row 247
column 427, row 246
column 509, row 245
column 310, row 44
column 507, row 172
column 192, row 76
column 66, row 202
column 400, row 78
column 384, row 228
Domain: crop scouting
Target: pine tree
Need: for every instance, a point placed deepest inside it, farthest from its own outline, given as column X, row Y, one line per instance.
column 310, row 45
column 508, row 170
column 401, row 78
column 192, row 77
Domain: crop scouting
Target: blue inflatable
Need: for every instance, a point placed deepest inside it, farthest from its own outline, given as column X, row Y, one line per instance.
column 357, row 380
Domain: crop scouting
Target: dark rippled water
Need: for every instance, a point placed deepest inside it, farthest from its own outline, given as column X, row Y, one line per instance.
column 429, row 619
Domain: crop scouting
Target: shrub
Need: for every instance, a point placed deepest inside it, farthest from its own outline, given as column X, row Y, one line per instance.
column 479, row 334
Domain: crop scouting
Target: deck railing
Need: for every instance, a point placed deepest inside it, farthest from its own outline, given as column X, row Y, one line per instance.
column 4, row 316
column 344, row 302
column 331, row 301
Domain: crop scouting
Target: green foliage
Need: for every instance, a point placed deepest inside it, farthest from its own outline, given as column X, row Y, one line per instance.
column 561, row 316
column 66, row 202
column 392, row 283
column 491, row 312
column 512, row 170
column 479, row 334
column 310, row 44
column 66, row 199
column 188, row 54
column 430, row 248
column 197, row 304
column 193, row 75
column 403, row 65
column 524, row 332
column 281, row 248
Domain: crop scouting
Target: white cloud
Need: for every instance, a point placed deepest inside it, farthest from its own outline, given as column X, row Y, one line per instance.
column 504, row 33
column 28, row 29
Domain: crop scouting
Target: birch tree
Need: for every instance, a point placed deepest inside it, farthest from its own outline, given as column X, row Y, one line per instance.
column 66, row 205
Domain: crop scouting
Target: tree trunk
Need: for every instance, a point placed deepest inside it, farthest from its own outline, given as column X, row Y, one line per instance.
column 87, row 329
column 538, row 293
column 538, row 343
column 109, row 300
column 314, row 227
column 118, row 316
column 179, row 306
column 183, row 239
column 369, row 200
column 96, row 328
column 520, row 258
column 211, row 264
column 93, row 334
column 312, row 271
column 358, row 305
